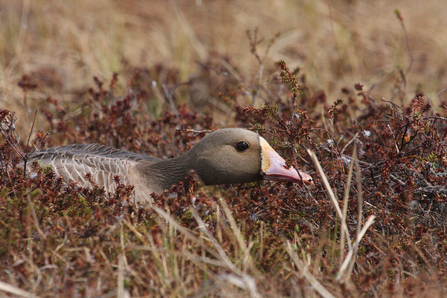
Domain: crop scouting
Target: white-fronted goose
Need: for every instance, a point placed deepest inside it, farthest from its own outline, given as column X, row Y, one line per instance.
column 225, row 156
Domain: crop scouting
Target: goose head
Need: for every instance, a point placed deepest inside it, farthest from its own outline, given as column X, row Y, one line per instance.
column 237, row 155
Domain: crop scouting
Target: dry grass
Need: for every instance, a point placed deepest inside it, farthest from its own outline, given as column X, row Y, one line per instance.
column 374, row 225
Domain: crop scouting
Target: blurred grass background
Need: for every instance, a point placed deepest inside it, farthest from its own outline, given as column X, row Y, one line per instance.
column 63, row 44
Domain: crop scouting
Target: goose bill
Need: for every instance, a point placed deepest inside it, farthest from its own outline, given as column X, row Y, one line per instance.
column 274, row 167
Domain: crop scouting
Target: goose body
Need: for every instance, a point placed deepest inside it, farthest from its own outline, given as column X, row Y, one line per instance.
column 226, row 156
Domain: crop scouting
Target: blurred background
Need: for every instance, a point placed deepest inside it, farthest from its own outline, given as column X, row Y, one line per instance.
column 61, row 45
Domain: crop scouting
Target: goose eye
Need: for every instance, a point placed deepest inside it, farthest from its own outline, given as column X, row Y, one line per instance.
column 241, row 146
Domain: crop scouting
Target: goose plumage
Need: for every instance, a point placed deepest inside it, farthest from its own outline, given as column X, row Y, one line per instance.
column 226, row 156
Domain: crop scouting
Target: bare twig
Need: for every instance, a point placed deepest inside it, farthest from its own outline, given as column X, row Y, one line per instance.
column 441, row 91
column 401, row 20
column 196, row 132
column 435, row 117
column 394, row 138
column 254, row 42
column 25, row 156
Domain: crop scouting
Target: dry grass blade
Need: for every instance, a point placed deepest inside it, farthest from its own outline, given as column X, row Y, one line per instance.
column 236, row 231
column 239, row 278
column 4, row 287
column 343, row 274
column 233, row 225
column 358, row 176
column 345, row 207
column 36, row 221
column 183, row 230
column 330, row 193
column 346, row 268
column 305, row 272
column 348, row 263
column 120, row 286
